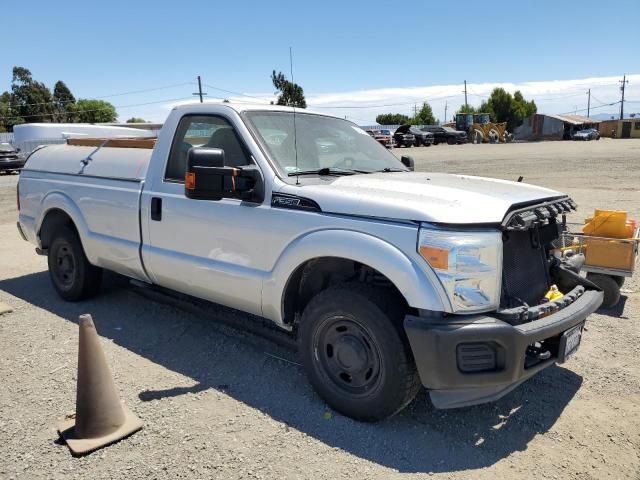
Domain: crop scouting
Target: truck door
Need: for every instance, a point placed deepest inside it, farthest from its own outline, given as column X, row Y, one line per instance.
column 204, row 248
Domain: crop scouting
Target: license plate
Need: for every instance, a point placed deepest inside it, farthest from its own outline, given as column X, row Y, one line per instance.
column 569, row 342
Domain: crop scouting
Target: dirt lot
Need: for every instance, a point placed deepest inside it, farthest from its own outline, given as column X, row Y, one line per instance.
column 218, row 402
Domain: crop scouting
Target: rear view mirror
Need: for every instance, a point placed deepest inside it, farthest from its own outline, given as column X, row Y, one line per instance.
column 408, row 162
column 207, row 178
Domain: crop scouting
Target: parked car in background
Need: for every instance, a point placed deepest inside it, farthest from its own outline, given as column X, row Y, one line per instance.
column 383, row 137
column 10, row 158
column 404, row 138
column 421, row 137
column 586, row 134
column 446, row 135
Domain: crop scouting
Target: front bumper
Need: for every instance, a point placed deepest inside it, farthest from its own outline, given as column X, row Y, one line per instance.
column 11, row 164
column 437, row 342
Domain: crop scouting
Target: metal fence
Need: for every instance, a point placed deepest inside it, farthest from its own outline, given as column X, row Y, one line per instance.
column 6, row 137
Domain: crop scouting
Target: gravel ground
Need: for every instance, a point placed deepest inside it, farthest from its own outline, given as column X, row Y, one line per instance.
column 218, row 402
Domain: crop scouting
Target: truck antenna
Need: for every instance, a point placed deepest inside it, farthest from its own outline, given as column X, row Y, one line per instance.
column 295, row 133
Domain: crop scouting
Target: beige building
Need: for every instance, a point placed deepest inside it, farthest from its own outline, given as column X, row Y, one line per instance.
column 627, row 128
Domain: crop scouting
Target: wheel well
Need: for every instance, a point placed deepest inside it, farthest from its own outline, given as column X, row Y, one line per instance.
column 54, row 220
column 318, row 274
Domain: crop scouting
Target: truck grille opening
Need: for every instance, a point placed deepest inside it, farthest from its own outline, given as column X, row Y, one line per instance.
column 525, row 274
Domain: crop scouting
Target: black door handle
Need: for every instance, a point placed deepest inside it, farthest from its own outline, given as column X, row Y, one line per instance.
column 156, row 209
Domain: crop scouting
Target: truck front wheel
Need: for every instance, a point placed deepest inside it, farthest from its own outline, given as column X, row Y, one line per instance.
column 355, row 351
column 73, row 277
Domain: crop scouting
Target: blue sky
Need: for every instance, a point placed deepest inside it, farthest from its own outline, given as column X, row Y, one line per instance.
column 356, row 53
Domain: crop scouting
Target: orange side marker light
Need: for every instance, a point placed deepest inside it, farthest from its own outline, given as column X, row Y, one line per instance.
column 437, row 257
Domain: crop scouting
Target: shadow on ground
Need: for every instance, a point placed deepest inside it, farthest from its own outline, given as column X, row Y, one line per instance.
column 260, row 374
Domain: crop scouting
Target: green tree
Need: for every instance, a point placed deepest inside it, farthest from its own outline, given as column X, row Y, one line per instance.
column 291, row 94
column 64, row 102
column 95, row 111
column 424, row 116
column 392, row 119
column 523, row 108
column 466, row 109
column 30, row 100
column 503, row 107
column 6, row 117
column 136, row 120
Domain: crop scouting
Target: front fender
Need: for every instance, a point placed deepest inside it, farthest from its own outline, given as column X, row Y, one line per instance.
column 418, row 284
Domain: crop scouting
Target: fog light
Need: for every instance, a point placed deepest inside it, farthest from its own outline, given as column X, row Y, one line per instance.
column 476, row 357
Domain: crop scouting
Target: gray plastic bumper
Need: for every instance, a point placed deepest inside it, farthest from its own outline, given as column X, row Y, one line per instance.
column 435, row 342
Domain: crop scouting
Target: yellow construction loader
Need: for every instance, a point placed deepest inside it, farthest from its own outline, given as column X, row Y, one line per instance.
column 480, row 128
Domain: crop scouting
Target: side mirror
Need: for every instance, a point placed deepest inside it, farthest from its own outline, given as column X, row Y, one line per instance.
column 207, row 178
column 408, row 162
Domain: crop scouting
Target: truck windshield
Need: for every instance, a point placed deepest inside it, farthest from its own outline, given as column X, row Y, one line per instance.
column 322, row 143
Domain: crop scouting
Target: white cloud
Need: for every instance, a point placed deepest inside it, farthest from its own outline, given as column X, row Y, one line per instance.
column 552, row 96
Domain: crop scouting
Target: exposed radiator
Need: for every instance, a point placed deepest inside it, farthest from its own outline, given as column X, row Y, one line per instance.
column 525, row 274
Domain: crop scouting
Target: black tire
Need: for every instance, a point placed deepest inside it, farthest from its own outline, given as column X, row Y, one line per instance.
column 72, row 276
column 609, row 286
column 435, row 142
column 619, row 280
column 376, row 376
column 451, row 141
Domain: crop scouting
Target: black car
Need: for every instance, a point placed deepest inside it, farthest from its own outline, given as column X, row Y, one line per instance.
column 403, row 138
column 446, row 135
column 10, row 158
column 421, row 137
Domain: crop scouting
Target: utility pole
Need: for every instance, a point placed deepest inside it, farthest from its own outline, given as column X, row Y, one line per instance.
column 445, row 111
column 588, row 102
column 199, row 92
column 624, row 81
column 415, row 111
column 465, row 94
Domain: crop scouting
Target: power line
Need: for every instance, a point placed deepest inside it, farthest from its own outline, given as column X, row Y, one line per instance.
column 235, row 93
column 100, row 109
column 54, row 102
column 420, row 99
column 592, row 108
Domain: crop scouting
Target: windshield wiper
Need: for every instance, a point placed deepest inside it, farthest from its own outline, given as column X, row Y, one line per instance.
column 387, row 169
column 324, row 171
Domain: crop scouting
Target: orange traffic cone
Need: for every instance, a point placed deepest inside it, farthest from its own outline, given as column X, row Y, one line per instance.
column 100, row 417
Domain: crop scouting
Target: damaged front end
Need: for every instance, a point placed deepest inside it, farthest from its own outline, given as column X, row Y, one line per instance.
column 530, row 267
column 466, row 359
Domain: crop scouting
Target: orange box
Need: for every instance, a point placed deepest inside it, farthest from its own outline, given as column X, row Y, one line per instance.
column 610, row 254
column 609, row 223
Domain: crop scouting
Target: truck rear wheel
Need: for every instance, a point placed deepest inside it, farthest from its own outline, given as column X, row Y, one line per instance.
column 608, row 285
column 73, row 277
column 355, row 351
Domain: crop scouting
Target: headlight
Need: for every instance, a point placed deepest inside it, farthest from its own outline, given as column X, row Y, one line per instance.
column 469, row 265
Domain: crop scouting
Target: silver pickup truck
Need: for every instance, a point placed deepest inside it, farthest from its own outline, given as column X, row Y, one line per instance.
column 389, row 278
